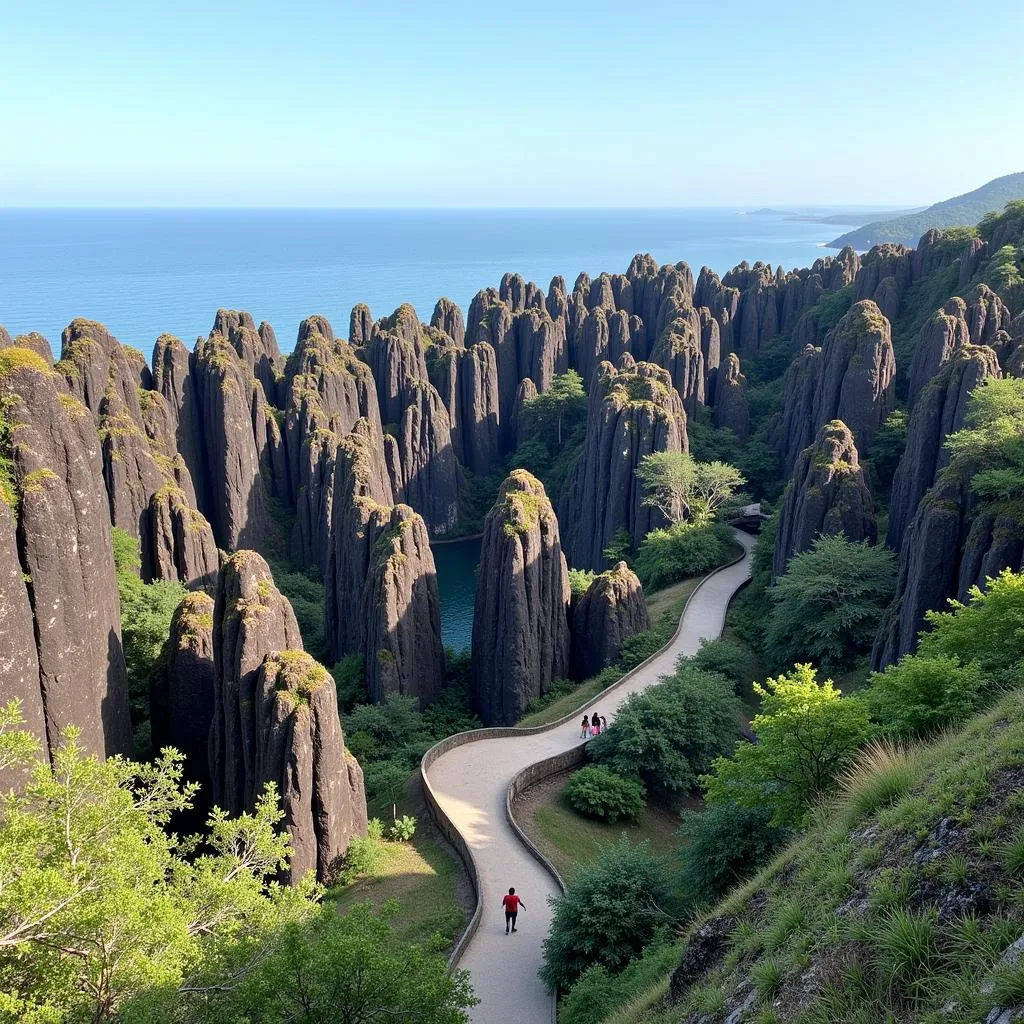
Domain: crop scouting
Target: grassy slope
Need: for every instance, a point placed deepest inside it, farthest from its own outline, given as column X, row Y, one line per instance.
column 968, row 208
column 897, row 905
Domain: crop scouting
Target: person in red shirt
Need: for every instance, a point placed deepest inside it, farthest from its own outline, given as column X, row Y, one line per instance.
column 511, row 903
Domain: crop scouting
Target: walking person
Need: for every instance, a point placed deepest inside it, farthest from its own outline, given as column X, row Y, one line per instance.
column 595, row 724
column 511, row 902
column 604, row 724
column 585, row 728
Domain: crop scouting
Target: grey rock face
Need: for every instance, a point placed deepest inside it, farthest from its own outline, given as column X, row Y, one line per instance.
column 360, row 324
column 678, row 350
column 447, row 317
column 33, row 341
column 829, row 494
column 64, row 546
column 940, row 337
column 181, row 540
column 396, row 353
column 520, row 628
column 611, row 611
column 630, row 414
column 732, row 409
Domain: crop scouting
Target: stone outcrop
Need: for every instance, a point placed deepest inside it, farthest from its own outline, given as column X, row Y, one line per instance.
column 678, row 350
column 939, row 411
column 828, row 494
column 630, row 414
column 396, row 353
column 300, row 748
column 476, row 428
column 179, row 540
column 611, row 611
column 447, row 317
column 360, row 324
column 64, row 549
column 526, row 391
column 850, row 378
column 520, row 625
column 939, row 338
column 230, row 403
column 182, row 692
column 731, row 407
column 401, row 609
column 257, row 348
column 275, row 719
column 174, row 382
column 33, row 341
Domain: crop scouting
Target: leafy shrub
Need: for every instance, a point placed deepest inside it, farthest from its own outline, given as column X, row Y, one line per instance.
column 919, row 695
column 611, row 909
column 599, row 792
column 807, row 733
column 671, row 732
column 402, row 829
column 579, row 581
column 375, row 829
column 620, row 547
column 679, row 552
column 827, row 606
column 305, row 591
column 728, row 659
column 724, row 844
column 361, row 858
column 350, row 681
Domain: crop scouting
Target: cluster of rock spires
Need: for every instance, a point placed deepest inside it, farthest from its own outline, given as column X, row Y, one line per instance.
column 240, row 697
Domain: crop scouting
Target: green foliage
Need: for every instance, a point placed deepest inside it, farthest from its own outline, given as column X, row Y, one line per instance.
column 827, row 606
column 620, row 549
column 887, row 448
column 610, row 911
column 679, row 552
column 146, row 610
column 920, row 695
column 598, row 792
column 599, row 993
column 684, row 489
column 671, row 732
column 350, row 681
column 724, row 658
column 346, row 968
column 579, row 581
column 402, row 829
column 305, row 591
column 361, row 858
column 709, row 443
column 831, row 308
column 375, row 830
column 807, row 733
column 987, row 632
column 722, row 845
column 101, row 909
column 991, row 445
column 752, row 606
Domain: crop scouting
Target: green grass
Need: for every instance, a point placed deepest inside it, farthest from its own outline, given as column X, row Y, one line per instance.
column 420, row 877
column 892, row 957
column 569, row 839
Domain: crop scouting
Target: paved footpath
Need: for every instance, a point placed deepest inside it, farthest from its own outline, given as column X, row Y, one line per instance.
column 471, row 782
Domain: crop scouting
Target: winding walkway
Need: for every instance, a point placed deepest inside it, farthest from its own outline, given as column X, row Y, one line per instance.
column 470, row 782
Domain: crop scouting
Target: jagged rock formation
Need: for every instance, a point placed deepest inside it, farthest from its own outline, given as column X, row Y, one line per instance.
column 467, row 381
column 257, row 348
column 396, row 353
column 381, row 584
column 275, row 719
column 611, row 611
column 850, row 378
column 180, row 541
column 300, row 747
column 447, row 317
column 940, row 410
column 360, row 324
column 64, row 549
column 426, row 473
column 678, row 350
column 731, row 408
column 33, row 341
column 631, row 413
column 401, row 609
column 829, row 494
column 520, row 628
column 526, row 391
column 940, row 337
column 182, row 692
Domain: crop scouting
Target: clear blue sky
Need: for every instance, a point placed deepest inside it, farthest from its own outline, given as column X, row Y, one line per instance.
column 524, row 103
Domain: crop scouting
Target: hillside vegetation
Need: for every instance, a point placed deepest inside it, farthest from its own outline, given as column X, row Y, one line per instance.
column 960, row 210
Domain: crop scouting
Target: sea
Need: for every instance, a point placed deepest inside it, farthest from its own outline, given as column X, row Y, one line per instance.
column 146, row 272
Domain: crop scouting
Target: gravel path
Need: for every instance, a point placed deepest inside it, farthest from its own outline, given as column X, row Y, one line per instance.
column 471, row 782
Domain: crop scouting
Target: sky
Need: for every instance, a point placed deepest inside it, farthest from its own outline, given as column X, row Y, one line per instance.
column 555, row 103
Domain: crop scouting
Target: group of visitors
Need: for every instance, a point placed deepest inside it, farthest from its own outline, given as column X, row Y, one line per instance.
column 593, row 726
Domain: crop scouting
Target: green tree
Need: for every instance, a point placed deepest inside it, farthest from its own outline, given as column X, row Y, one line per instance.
column 348, row 969
column 563, row 404
column 680, row 551
column 610, row 910
column 919, row 695
column 681, row 488
column 987, row 632
column 598, row 792
column 146, row 610
column 807, row 733
column 826, row 608
column 671, row 733
column 991, row 445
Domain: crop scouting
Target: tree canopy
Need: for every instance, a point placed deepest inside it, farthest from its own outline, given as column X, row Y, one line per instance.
column 682, row 488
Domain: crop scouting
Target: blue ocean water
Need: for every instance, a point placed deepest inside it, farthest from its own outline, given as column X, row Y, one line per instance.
column 144, row 272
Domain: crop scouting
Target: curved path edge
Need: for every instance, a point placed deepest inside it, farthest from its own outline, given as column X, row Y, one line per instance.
column 533, row 773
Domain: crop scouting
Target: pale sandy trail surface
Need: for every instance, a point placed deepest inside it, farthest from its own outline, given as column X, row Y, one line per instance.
column 470, row 783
